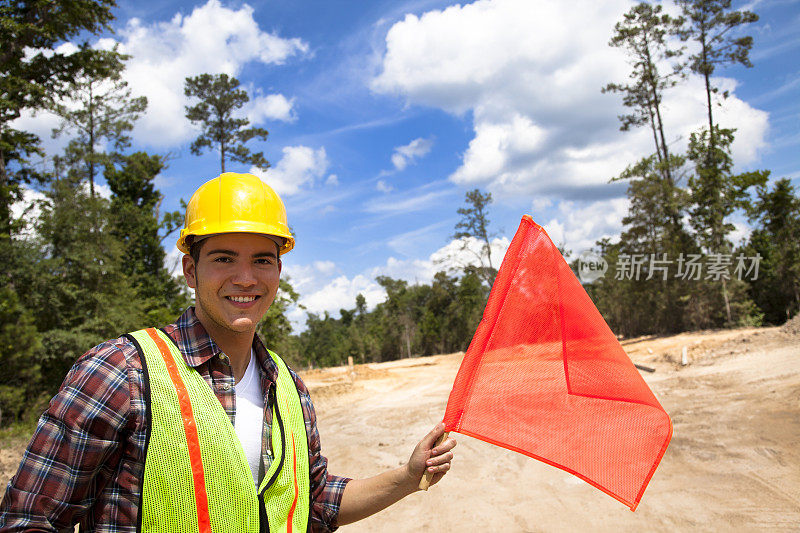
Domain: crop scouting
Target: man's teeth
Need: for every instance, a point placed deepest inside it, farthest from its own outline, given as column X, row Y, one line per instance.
column 242, row 299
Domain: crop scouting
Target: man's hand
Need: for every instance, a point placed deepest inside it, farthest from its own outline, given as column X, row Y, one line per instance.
column 364, row 497
column 428, row 457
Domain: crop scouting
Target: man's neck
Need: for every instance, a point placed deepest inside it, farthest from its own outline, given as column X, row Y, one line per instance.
column 236, row 345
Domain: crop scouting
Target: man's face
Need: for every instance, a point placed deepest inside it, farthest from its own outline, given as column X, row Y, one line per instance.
column 235, row 281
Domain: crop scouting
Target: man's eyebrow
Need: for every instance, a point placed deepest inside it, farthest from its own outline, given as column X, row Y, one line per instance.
column 223, row 251
column 265, row 254
column 236, row 254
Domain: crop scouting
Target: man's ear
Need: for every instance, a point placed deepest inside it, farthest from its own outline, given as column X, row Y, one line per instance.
column 189, row 271
column 280, row 265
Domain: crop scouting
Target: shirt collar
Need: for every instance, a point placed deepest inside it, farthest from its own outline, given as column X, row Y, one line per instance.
column 198, row 347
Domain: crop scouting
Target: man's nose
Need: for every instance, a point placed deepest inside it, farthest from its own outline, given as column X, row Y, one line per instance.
column 244, row 275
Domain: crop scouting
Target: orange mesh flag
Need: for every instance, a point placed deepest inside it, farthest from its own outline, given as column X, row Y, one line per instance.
column 545, row 376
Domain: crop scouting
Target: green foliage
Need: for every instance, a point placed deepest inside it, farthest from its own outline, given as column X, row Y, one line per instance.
column 275, row 328
column 80, row 294
column 99, row 109
column 643, row 33
column 19, row 344
column 413, row 320
column 32, row 73
column 475, row 223
column 710, row 23
column 134, row 222
column 215, row 113
column 776, row 212
column 716, row 192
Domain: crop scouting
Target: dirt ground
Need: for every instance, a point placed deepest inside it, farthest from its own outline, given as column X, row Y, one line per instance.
column 733, row 463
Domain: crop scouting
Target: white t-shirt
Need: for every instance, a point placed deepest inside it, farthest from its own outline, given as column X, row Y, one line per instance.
column 250, row 415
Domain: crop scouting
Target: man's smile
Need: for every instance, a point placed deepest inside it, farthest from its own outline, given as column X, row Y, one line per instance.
column 242, row 301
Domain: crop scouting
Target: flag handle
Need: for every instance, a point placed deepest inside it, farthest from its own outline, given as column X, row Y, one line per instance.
column 425, row 482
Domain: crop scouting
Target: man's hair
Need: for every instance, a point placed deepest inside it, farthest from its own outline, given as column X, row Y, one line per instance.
column 194, row 249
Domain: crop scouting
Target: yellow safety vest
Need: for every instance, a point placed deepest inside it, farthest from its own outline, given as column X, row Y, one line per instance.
column 196, row 476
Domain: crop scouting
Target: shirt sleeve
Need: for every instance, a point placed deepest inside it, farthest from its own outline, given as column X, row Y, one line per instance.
column 75, row 448
column 326, row 489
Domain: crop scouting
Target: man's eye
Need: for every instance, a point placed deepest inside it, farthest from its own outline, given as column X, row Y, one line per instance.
column 222, row 259
column 264, row 261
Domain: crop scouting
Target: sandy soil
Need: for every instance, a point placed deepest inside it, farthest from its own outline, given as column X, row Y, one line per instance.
column 733, row 464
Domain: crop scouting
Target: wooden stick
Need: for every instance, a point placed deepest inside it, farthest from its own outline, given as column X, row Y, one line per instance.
column 425, row 482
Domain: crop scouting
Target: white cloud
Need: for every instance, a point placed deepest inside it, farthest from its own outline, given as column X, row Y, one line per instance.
column 406, row 204
column 341, row 292
column 383, row 186
column 173, row 261
column 532, row 86
column 408, row 153
column 740, row 234
column 212, row 38
column 261, row 109
column 332, row 179
column 323, row 288
column 28, row 210
column 299, row 167
column 580, row 224
column 100, row 189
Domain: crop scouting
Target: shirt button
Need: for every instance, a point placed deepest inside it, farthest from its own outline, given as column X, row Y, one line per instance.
column 226, row 387
column 223, row 357
column 269, row 453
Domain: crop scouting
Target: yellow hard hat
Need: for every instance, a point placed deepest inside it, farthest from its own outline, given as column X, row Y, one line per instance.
column 235, row 203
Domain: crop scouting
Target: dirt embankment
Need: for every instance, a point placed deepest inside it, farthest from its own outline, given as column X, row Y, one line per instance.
column 733, row 464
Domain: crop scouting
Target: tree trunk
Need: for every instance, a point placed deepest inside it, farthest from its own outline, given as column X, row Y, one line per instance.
column 707, row 76
column 5, row 198
column 727, row 301
column 91, row 142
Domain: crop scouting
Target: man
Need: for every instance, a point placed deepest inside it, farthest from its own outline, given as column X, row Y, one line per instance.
column 198, row 427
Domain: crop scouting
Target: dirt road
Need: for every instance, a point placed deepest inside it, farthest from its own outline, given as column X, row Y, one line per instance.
column 733, row 464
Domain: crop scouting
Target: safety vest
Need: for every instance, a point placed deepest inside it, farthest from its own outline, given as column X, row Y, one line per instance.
column 196, row 476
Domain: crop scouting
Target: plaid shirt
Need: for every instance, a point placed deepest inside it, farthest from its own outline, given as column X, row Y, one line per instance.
column 86, row 459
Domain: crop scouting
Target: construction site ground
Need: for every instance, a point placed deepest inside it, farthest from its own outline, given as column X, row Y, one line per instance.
column 733, row 463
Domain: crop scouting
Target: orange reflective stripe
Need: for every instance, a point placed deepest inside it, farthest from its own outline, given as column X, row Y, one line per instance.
column 190, row 429
column 296, row 488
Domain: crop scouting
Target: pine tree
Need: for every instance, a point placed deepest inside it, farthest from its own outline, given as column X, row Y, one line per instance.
column 716, row 192
column 77, row 291
column 136, row 223
column 643, row 33
column 98, row 109
column 215, row 113
column 20, row 343
column 474, row 223
column 776, row 212
column 30, row 82
column 711, row 24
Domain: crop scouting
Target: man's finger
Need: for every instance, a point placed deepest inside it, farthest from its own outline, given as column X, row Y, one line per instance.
column 429, row 440
column 439, row 459
column 443, row 447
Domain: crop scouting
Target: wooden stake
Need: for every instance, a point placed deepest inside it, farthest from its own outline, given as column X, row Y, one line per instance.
column 425, row 482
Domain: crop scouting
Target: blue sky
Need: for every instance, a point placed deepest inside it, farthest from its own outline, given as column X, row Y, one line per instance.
column 382, row 114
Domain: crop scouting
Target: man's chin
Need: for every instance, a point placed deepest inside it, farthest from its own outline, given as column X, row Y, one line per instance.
column 243, row 325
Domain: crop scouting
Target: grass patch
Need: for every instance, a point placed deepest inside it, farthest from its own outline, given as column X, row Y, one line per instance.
column 16, row 434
